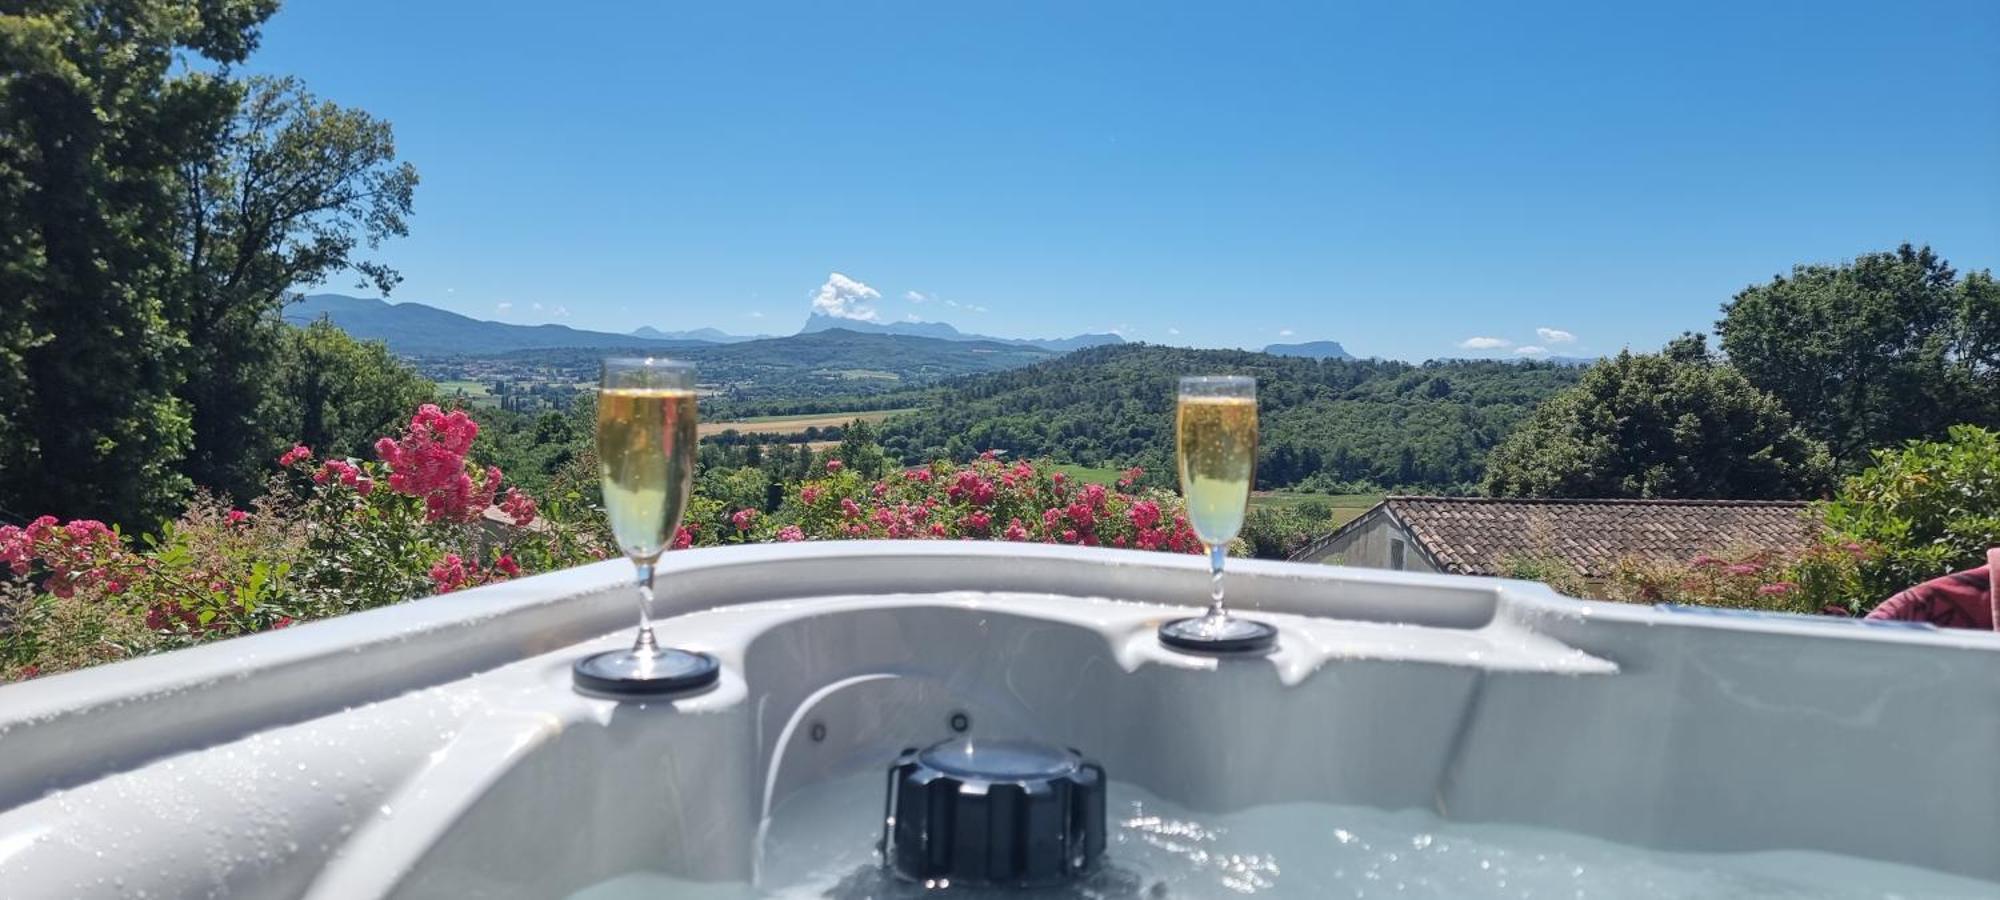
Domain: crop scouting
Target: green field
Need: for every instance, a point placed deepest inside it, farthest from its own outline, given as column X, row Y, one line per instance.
column 477, row 393
column 471, row 388
column 1090, row 474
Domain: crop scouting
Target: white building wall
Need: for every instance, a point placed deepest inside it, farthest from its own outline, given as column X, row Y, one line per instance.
column 1372, row 544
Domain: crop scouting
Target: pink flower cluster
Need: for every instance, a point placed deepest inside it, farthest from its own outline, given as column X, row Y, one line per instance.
column 429, row 462
column 341, row 471
column 520, row 508
column 1019, row 501
column 455, row 572
column 80, row 553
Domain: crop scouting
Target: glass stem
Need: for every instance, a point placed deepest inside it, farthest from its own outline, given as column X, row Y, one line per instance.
column 645, row 644
column 1216, row 552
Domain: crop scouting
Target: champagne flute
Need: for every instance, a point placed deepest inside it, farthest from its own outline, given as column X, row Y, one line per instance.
column 645, row 453
column 1216, row 433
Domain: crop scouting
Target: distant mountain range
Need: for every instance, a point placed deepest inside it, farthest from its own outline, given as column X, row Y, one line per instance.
column 1310, row 350
column 709, row 335
column 941, row 331
column 414, row 329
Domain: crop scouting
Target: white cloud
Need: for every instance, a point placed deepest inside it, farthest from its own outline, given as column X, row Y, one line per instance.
column 951, row 302
column 917, row 297
column 1532, row 350
column 561, row 312
column 1173, row 331
column 1284, row 332
column 1555, row 336
column 1485, row 343
column 537, row 307
column 844, row 298
column 911, row 317
column 977, row 309
column 503, row 307
column 451, row 290
column 756, row 314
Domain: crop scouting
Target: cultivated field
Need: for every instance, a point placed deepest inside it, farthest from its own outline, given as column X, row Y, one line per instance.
column 794, row 424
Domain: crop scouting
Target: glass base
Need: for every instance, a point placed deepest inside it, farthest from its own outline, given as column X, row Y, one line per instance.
column 1219, row 634
column 646, row 673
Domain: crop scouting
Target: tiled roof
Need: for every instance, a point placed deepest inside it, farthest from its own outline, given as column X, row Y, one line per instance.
column 1478, row 536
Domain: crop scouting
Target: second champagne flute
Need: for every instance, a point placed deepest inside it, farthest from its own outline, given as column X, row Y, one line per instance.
column 645, row 453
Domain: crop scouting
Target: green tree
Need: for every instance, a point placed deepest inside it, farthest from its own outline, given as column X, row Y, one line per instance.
column 94, row 134
column 1889, row 347
column 859, row 451
column 1930, row 507
column 336, row 394
column 295, row 186
column 1673, row 425
column 153, row 216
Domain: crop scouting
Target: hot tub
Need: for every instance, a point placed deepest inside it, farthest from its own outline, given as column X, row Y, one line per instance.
column 1413, row 735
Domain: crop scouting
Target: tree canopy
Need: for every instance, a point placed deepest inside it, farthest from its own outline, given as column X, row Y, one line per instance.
column 1329, row 423
column 1926, row 508
column 1868, row 354
column 1677, row 424
column 152, row 217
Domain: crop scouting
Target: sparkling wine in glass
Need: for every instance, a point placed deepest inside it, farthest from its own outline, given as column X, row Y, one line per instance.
column 645, row 451
column 1216, row 436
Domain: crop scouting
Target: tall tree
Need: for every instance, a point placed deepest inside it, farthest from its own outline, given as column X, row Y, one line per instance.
column 296, row 185
column 1673, row 425
column 336, row 394
column 1889, row 347
column 151, row 223
column 93, row 132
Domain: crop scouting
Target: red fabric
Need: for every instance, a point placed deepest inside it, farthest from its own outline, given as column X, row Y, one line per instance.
column 1959, row 600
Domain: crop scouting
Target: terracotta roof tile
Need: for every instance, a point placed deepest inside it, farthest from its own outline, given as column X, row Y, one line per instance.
column 1478, row 536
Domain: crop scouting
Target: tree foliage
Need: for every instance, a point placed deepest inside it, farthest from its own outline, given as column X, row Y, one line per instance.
column 151, row 216
column 1335, row 420
column 1678, row 424
column 1929, row 508
column 1868, row 354
column 295, row 185
column 332, row 392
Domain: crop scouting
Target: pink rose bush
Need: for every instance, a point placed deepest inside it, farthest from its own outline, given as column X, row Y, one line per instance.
column 1822, row 578
column 429, row 463
column 331, row 536
column 335, row 534
column 986, row 499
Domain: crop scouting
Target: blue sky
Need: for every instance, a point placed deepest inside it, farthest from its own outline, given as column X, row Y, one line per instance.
column 1401, row 179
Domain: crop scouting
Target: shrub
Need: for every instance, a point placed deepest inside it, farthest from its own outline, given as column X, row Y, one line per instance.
column 1926, row 509
column 984, row 499
column 1823, row 578
column 328, row 537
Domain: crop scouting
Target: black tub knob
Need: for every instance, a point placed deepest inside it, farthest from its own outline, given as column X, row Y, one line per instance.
column 993, row 812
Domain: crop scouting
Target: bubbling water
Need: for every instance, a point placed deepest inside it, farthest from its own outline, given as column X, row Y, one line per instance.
column 821, row 844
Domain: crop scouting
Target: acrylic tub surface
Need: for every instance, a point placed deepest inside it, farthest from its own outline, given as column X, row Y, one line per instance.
column 436, row 749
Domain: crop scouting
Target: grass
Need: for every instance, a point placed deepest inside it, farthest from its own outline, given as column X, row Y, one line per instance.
column 794, row 424
column 1090, row 474
column 1345, row 507
column 471, row 388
